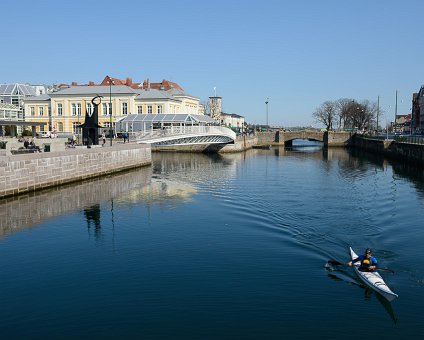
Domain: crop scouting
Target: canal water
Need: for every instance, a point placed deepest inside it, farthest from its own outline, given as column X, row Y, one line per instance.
column 217, row 247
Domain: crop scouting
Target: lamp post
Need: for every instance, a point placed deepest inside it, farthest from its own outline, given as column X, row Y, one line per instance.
column 378, row 111
column 394, row 123
column 110, row 108
column 266, row 103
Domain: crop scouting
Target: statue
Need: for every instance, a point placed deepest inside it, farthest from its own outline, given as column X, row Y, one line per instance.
column 90, row 127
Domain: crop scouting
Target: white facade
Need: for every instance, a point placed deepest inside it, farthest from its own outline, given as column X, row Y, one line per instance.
column 233, row 121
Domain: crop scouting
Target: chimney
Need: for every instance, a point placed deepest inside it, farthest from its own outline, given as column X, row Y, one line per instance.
column 91, row 83
column 74, row 83
column 128, row 82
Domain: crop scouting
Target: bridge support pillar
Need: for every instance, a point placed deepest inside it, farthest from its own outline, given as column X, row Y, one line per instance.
column 289, row 143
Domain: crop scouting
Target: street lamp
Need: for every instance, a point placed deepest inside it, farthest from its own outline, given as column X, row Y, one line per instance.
column 394, row 123
column 378, row 111
column 110, row 107
column 266, row 103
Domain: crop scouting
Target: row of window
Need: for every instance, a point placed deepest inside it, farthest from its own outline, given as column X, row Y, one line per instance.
column 106, row 109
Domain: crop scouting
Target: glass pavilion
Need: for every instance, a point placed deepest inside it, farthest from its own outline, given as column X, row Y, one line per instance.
column 151, row 122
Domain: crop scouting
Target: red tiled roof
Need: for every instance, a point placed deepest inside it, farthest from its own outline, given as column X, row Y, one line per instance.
column 165, row 84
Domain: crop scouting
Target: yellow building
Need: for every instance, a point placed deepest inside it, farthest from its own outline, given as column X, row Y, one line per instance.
column 64, row 110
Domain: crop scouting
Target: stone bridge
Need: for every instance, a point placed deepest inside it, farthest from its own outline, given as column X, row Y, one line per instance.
column 286, row 138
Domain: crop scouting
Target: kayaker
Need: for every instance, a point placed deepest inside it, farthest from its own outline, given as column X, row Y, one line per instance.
column 368, row 262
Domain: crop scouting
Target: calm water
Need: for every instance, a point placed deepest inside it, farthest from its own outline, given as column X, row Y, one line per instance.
column 214, row 247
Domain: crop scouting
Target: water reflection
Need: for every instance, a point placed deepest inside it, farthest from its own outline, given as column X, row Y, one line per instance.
column 196, row 168
column 30, row 210
column 343, row 276
column 92, row 216
column 412, row 173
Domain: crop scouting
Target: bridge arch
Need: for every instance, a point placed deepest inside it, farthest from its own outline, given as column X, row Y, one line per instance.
column 287, row 137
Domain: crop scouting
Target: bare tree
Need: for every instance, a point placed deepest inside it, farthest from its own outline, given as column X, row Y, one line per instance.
column 347, row 113
column 343, row 108
column 326, row 114
column 207, row 107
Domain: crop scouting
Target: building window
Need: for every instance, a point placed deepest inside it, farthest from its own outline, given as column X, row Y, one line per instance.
column 60, row 126
column 107, row 109
column 74, row 109
column 159, row 108
column 89, row 109
column 32, row 108
column 59, row 109
column 41, row 111
column 79, row 109
column 15, row 101
column 149, row 109
column 139, row 109
column 124, row 108
column 75, row 128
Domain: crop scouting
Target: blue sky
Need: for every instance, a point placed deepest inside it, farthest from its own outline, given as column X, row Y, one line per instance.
column 296, row 53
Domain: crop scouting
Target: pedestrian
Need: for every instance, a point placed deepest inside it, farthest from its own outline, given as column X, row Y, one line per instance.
column 104, row 137
column 368, row 262
column 125, row 136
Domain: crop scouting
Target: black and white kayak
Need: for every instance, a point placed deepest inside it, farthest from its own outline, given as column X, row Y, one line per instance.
column 373, row 280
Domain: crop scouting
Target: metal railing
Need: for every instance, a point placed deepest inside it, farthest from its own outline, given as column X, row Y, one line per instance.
column 183, row 130
column 419, row 140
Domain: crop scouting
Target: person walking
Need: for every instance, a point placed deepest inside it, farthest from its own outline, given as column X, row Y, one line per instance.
column 104, row 138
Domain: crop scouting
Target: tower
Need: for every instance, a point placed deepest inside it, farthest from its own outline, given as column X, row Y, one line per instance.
column 215, row 107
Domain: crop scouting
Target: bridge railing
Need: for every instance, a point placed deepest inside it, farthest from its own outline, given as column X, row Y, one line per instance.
column 170, row 131
column 400, row 139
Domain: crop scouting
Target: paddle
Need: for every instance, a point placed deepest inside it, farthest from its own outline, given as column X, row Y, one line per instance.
column 337, row 263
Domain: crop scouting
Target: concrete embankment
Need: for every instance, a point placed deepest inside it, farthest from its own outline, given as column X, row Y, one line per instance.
column 29, row 172
column 409, row 152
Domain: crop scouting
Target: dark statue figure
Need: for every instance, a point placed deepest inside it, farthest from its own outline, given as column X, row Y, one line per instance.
column 90, row 127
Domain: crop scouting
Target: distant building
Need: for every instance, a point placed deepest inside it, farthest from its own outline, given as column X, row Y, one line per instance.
column 231, row 120
column 64, row 109
column 403, row 124
column 12, row 98
column 417, row 119
column 15, row 93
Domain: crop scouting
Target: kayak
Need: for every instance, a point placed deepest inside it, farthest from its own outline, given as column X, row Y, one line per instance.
column 373, row 280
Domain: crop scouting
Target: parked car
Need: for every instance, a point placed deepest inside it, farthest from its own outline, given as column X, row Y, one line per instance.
column 45, row 134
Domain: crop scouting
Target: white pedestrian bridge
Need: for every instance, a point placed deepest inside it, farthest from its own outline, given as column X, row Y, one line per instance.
column 174, row 129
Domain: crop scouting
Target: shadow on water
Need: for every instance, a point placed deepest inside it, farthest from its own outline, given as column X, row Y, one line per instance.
column 408, row 171
column 344, row 276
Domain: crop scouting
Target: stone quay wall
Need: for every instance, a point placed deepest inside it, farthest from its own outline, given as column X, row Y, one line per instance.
column 29, row 172
column 242, row 143
column 409, row 152
column 31, row 209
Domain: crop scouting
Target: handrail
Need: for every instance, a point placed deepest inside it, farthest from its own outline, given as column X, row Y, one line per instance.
column 184, row 130
column 419, row 140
